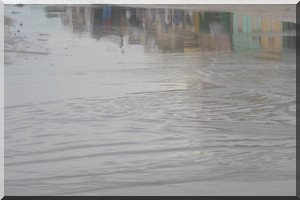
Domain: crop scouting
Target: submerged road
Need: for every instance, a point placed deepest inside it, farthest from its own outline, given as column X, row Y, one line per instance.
column 98, row 104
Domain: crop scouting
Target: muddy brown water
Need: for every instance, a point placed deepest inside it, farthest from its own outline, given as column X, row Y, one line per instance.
column 107, row 97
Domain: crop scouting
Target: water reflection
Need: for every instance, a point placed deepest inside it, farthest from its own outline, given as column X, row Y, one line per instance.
column 182, row 30
column 122, row 97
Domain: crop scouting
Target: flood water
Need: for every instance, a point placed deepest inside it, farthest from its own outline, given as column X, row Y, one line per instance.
column 101, row 99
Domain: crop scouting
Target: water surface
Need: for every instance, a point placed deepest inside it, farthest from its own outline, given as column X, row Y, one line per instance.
column 105, row 97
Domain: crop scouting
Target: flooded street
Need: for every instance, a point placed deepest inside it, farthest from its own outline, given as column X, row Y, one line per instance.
column 109, row 100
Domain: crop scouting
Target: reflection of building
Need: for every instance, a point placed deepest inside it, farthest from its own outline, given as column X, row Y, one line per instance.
column 181, row 30
column 242, row 27
column 289, row 41
column 98, row 20
column 74, row 18
column 271, row 43
column 212, row 32
column 222, row 20
column 54, row 11
column 260, row 33
column 246, row 24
